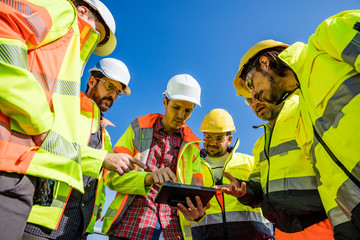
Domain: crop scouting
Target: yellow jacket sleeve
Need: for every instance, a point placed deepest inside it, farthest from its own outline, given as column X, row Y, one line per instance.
column 21, row 96
column 338, row 36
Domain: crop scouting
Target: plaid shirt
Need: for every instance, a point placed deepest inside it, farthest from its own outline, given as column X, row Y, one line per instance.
column 140, row 218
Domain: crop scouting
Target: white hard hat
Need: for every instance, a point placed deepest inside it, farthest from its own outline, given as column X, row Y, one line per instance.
column 183, row 87
column 104, row 12
column 115, row 70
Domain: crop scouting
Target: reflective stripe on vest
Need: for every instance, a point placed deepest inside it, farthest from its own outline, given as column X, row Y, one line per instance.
column 50, row 217
column 352, row 50
column 337, row 217
column 236, row 216
column 15, row 137
column 13, row 55
column 56, row 65
column 255, row 176
column 225, row 208
column 348, row 195
column 349, row 89
column 330, row 93
column 31, row 17
column 281, row 149
column 292, row 183
column 142, row 130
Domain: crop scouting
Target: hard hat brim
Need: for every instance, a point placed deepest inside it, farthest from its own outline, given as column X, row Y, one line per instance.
column 239, row 83
column 182, row 98
column 125, row 90
column 108, row 47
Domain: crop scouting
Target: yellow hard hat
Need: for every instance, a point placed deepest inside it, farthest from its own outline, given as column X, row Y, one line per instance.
column 239, row 83
column 217, row 121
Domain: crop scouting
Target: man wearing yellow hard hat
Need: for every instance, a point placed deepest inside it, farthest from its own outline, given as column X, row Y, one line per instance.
column 284, row 171
column 226, row 218
column 326, row 71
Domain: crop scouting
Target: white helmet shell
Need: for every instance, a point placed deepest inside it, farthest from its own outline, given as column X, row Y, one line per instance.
column 108, row 47
column 183, row 87
column 115, row 70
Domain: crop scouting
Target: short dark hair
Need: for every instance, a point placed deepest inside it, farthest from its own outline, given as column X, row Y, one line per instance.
column 95, row 74
column 275, row 63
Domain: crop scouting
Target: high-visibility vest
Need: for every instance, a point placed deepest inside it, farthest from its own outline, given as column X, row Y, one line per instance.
column 327, row 69
column 43, row 51
column 290, row 196
column 50, row 216
column 227, row 218
column 138, row 139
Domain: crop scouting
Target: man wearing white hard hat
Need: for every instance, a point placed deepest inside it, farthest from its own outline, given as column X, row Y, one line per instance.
column 44, row 46
column 109, row 79
column 172, row 154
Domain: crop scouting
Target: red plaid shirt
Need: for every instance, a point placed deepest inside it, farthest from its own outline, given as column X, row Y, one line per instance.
column 141, row 216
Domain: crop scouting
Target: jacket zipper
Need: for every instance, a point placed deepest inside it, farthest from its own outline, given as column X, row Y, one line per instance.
column 267, row 152
column 222, row 210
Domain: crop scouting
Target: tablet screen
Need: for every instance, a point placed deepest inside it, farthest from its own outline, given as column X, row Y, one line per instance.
column 174, row 193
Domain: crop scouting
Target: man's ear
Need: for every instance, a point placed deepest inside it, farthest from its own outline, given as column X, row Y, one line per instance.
column 82, row 11
column 230, row 139
column 264, row 62
column 165, row 102
column 92, row 82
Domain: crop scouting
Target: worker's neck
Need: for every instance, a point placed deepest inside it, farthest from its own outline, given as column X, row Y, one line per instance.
column 290, row 81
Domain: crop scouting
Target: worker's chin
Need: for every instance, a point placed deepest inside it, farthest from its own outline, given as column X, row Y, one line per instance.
column 176, row 125
column 214, row 153
column 104, row 107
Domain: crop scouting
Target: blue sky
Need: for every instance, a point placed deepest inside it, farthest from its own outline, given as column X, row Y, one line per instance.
column 206, row 39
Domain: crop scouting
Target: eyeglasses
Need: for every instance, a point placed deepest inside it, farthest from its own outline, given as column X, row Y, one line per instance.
column 218, row 139
column 248, row 101
column 249, row 81
column 110, row 87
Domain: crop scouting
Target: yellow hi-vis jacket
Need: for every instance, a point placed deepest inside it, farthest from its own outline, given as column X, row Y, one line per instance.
column 227, row 218
column 327, row 69
column 137, row 139
column 43, row 47
column 283, row 181
column 50, row 216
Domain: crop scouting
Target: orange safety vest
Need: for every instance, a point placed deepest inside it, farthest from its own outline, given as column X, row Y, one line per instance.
column 44, row 46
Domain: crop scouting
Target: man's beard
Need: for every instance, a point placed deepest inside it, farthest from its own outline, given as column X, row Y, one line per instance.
column 276, row 89
column 271, row 112
column 276, row 92
column 218, row 153
column 104, row 106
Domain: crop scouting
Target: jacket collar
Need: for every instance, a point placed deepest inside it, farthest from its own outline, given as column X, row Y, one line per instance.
column 149, row 120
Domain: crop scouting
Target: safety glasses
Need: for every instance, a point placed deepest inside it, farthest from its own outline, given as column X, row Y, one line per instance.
column 248, row 101
column 110, row 87
column 218, row 139
column 249, row 80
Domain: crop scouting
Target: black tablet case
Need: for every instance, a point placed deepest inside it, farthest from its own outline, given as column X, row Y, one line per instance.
column 174, row 193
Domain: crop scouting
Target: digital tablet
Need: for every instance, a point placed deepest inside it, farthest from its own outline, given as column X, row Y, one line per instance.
column 174, row 193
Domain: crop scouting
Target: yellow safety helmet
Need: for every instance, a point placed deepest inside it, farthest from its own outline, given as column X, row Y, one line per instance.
column 239, row 83
column 217, row 121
